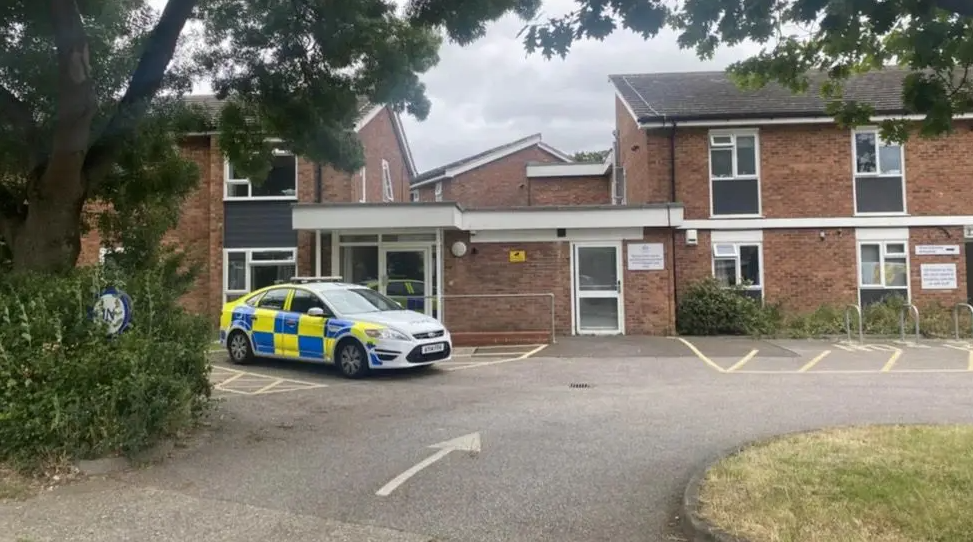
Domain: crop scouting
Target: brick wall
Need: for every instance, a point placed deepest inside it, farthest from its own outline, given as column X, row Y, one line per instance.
column 937, row 236
column 570, row 190
column 645, row 159
column 502, row 183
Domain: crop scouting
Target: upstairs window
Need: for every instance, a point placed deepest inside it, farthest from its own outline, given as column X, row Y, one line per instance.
column 413, row 195
column 281, row 182
column 879, row 174
column 439, row 191
column 388, row 192
column 364, row 187
column 734, row 173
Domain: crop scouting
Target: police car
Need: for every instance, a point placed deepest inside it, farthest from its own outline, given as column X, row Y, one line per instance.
column 321, row 319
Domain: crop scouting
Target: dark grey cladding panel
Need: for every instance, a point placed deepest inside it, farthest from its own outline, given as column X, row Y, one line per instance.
column 258, row 224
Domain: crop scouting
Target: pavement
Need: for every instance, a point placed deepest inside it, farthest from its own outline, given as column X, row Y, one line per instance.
column 583, row 440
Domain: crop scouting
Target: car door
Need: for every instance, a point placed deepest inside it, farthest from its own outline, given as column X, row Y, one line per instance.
column 268, row 329
column 310, row 342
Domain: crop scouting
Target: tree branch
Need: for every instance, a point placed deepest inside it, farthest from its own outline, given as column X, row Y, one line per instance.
column 142, row 88
column 959, row 7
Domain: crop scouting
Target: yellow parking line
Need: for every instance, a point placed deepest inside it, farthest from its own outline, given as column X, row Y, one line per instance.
column 814, row 361
column 523, row 356
column 248, row 373
column 268, row 386
column 854, row 371
column 743, row 361
column 700, row 355
column 969, row 362
column 960, row 348
column 891, row 362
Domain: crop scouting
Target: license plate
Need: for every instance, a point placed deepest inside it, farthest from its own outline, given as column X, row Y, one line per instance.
column 432, row 348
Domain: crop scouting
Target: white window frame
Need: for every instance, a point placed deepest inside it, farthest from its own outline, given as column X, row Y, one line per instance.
column 388, row 191
column 364, row 187
column 711, row 144
column 855, row 174
column 250, row 264
column 413, row 195
column 439, row 191
column 227, row 182
column 104, row 251
column 734, row 254
column 883, row 253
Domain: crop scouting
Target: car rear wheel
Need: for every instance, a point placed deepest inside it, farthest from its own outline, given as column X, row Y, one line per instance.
column 352, row 360
column 238, row 346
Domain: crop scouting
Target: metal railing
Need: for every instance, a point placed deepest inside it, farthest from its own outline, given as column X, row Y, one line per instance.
column 956, row 318
column 861, row 330
column 915, row 316
column 439, row 313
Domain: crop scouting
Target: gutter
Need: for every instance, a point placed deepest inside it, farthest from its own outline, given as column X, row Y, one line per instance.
column 672, row 199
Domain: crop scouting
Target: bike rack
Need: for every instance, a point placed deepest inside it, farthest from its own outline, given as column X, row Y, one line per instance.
column 915, row 316
column 956, row 317
column 861, row 332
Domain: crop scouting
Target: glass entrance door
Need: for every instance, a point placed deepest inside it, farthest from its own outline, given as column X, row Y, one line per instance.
column 406, row 277
column 597, row 288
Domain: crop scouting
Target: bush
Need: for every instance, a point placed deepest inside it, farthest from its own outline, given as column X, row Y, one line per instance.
column 67, row 389
column 709, row 308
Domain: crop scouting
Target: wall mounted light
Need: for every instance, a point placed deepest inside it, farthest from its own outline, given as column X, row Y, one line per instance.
column 458, row 249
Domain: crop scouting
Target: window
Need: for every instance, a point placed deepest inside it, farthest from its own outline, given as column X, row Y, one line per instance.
column 108, row 257
column 388, row 193
column 274, row 299
column 413, row 195
column 281, row 182
column 304, row 301
column 879, row 174
column 364, row 187
column 246, row 270
column 439, row 191
column 360, row 300
column 738, row 264
column 734, row 173
column 883, row 270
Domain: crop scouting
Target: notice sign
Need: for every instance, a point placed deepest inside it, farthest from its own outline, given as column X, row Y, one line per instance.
column 646, row 257
column 517, row 256
column 938, row 276
column 937, row 250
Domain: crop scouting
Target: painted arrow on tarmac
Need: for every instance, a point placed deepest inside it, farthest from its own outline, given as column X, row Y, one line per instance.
column 466, row 443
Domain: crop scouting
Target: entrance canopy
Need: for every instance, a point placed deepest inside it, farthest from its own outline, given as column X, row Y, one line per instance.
column 447, row 215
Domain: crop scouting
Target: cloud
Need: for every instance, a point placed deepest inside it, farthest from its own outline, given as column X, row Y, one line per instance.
column 491, row 92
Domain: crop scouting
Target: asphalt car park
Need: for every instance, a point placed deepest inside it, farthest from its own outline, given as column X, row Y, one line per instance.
column 583, row 440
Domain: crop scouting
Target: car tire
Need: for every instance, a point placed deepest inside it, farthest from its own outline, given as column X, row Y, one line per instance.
column 239, row 349
column 351, row 359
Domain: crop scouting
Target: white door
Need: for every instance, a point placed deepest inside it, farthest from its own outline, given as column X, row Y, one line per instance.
column 406, row 277
column 598, row 308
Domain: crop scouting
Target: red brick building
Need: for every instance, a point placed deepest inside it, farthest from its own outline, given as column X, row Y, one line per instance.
column 703, row 180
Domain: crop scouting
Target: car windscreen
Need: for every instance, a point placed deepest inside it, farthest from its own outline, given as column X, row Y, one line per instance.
column 358, row 300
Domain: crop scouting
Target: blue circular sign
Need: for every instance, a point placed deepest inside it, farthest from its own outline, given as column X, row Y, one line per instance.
column 114, row 309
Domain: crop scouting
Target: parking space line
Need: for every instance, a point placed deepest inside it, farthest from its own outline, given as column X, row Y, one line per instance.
column 742, row 361
column 969, row 361
column 814, row 361
column 240, row 374
column 523, row 356
column 891, row 362
column 268, row 386
column 853, row 371
column 700, row 355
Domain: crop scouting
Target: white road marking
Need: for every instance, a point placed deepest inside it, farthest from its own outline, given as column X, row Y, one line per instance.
column 466, row 443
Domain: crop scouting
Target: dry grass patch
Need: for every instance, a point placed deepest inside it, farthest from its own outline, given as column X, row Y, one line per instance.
column 885, row 483
column 14, row 486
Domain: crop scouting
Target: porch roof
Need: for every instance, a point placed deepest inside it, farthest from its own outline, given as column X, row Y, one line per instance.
column 390, row 216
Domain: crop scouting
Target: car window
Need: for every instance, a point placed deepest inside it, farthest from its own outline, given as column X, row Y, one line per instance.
column 359, row 300
column 304, row 301
column 418, row 288
column 396, row 287
column 252, row 301
column 273, row 299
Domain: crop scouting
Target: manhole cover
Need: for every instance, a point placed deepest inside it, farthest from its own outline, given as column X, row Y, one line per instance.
column 580, row 385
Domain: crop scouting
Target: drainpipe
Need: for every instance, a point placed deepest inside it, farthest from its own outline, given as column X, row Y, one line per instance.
column 672, row 200
column 318, row 197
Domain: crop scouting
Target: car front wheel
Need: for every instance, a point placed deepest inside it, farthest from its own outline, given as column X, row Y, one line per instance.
column 352, row 359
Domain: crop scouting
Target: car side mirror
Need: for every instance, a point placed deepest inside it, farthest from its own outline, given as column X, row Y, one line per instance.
column 315, row 311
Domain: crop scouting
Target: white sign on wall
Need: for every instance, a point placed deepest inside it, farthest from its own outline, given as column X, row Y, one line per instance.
column 646, row 257
column 937, row 250
column 938, row 276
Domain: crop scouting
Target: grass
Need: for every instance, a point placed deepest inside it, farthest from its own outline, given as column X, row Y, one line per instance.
column 13, row 486
column 885, row 483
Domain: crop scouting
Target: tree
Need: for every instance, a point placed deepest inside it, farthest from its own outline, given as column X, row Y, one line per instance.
column 90, row 99
column 932, row 38
column 590, row 156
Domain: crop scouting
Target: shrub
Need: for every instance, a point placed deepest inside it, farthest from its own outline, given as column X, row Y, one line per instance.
column 67, row 389
column 709, row 308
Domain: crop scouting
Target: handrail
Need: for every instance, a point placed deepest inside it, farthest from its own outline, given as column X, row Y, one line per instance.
column 956, row 317
column 915, row 315
column 546, row 295
column 861, row 331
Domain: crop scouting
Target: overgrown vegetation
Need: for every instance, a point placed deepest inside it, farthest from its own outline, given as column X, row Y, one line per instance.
column 69, row 390
column 709, row 308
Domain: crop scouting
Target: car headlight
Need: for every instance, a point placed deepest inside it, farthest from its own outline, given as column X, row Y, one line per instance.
column 386, row 333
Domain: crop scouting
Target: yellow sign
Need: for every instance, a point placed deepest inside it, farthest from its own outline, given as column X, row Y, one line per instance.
column 518, row 255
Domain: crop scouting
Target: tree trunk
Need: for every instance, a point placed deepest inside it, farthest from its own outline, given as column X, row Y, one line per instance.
column 49, row 239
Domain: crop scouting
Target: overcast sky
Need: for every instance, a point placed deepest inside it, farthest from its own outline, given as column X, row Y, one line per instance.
column 491, row 92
